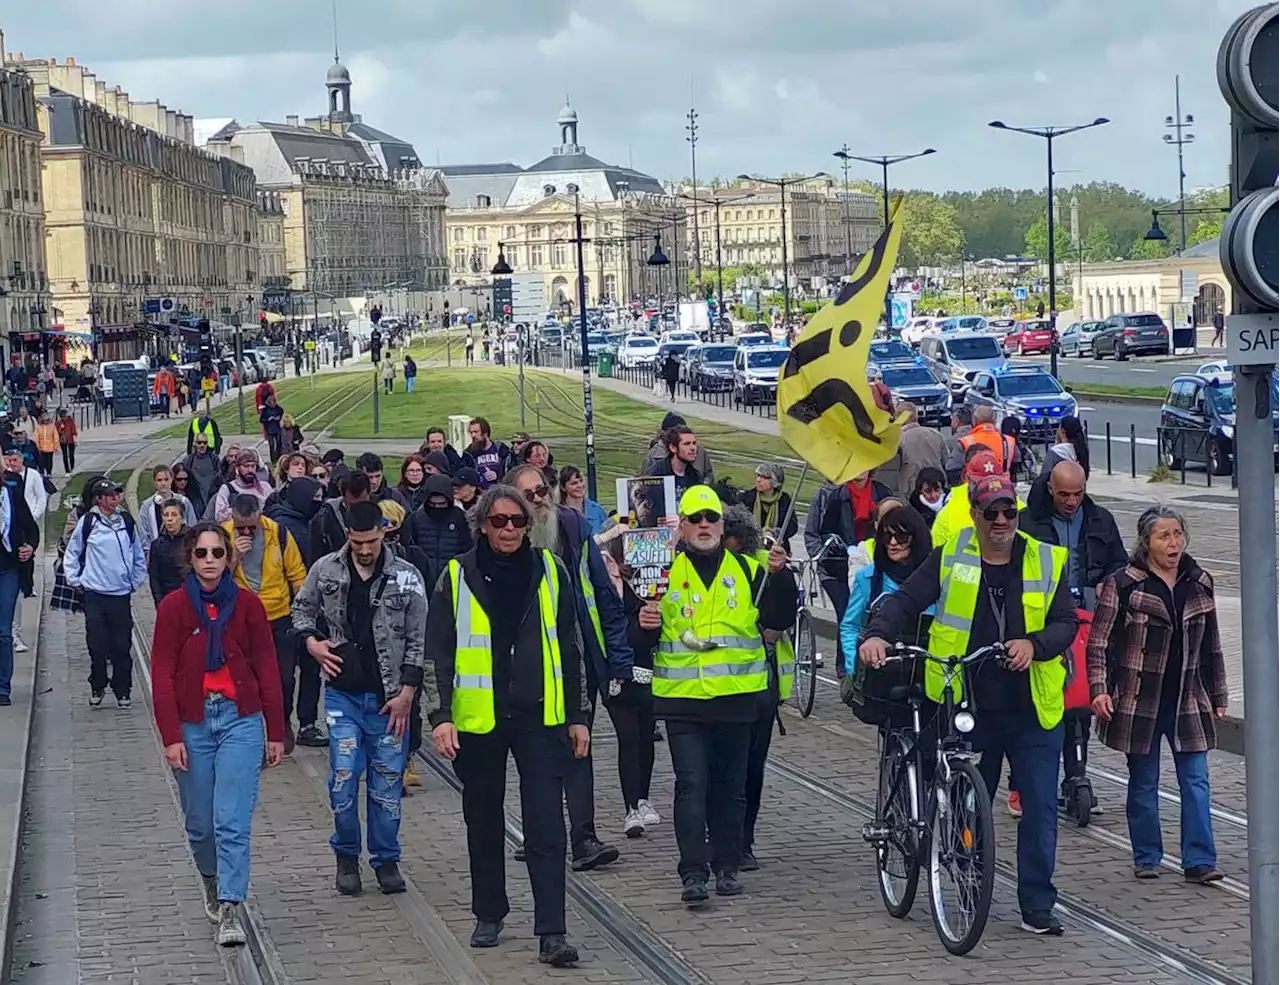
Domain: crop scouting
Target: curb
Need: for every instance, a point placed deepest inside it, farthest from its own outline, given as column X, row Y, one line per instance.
column 1115, row 397
column 9, row 892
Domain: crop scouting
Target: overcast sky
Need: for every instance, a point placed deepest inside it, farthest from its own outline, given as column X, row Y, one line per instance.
column 778, row 84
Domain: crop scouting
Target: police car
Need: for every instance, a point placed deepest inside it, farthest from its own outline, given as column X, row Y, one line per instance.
column 1028, row 393
column 910, row 379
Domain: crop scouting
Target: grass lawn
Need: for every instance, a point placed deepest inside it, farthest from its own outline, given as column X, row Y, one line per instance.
column 1118, row 390
column 54, row 522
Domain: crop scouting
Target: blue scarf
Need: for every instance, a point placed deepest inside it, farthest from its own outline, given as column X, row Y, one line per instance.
column 223, row 597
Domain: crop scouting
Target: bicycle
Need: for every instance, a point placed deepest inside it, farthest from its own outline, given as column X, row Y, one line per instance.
column 944, row 824
column 808, row 588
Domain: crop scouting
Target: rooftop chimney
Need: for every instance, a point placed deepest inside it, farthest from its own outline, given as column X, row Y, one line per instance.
column 291, row 120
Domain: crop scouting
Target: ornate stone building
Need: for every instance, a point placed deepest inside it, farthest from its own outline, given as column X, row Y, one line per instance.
column 530, row 212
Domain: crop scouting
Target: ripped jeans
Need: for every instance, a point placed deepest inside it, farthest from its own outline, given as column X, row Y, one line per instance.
column 358, row 738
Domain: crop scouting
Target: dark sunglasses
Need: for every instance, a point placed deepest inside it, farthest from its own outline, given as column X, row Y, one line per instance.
column 703, row 516
column 991, row 514
column 179, row 478
column 899, row 536
column 203, row 552
column 500, row 520
column 539, row 492
column 247, row 531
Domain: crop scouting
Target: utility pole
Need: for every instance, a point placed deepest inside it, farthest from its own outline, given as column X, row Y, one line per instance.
column 843, row 154
column 692, row 127
column 1177, row 123
column 587, row 409
column 240, row 372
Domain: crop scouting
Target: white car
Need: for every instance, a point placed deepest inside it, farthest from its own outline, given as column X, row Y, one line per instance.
column 637, row 350
column 917, row 329
column 1217, row 368
column 682, row 335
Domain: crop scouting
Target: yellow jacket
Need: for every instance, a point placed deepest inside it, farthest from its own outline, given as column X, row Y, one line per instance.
column 954, row 515
column 281, row 571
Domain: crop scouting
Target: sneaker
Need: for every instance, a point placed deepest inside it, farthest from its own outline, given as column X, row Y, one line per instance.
column 749, row 862
column 1043, row 923
column 95, row 698
column 5, row 701
column 554, row 950
column 209, row 889
column 18, row 645
column 486, row 933
column 313, row 737
column 347, row 880
column 1015, row 804
column 1146, row 872
column 727, row 884
column 230, row 929
column 126, row 702
column 592, row 854
column 411, row 778
column 288, row 741
column 695, row 890
column 647, row 813
column 518, row 853
column 633, row 825
column 390, row 881
column 1202, row 875
column 657, row 735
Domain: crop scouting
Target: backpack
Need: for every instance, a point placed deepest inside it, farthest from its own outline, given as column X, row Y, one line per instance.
column 86, row 525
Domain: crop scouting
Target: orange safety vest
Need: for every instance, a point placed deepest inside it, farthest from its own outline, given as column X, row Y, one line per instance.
column 1003, row 446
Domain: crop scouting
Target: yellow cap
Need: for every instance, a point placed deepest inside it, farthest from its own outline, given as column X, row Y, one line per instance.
column 699, row 498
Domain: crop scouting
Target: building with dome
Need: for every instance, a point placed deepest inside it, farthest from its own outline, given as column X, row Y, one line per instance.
column 362, row 216
column 530, row 213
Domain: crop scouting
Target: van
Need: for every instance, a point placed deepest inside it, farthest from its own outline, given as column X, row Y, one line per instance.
column 956, row 359
column 106, row 370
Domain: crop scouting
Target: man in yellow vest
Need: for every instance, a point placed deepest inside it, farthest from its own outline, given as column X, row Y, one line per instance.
column 710, row 675
column 502, row 637
column 992, row 583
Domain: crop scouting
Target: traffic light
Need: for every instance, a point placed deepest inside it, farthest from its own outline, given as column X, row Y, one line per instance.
column 1247, row 77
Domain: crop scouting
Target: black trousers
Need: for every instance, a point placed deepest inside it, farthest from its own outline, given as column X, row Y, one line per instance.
column 46, row 463
column 837, row 590
column 542, row 755
column 758, row 755
column 287, row 658
column 415, row 722
column 710, row 763
column 108, row 633
column 632, row 714
column 580, row 794
column 308, row 688
column 69, row 457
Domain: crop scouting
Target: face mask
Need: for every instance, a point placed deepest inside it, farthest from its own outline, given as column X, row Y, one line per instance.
column 935, row 506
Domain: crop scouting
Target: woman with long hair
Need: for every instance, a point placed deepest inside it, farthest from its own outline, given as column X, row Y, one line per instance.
column 573, row 494
column 215, row 688
column 929, row 493
column 1024, row 462
column 1071, row 444
column 413, row 478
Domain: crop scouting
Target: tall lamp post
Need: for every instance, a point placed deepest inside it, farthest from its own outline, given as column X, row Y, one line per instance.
column 782, row 184
column 883, row 161
column 1177, row 123
column 503, row 269
column 586, row 352
column 843, row 154
column 1048, row 133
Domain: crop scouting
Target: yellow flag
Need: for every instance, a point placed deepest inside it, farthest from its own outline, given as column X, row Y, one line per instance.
column 825, row 408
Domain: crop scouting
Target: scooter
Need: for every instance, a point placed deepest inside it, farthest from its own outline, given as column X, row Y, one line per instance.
column 1077, row 800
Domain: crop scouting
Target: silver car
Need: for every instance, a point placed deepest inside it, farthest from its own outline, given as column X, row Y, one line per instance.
column 1077, row 338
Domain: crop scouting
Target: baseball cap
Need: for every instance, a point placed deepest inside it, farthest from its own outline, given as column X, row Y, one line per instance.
column 466, row 476
column 102, row 486
column 699, row 498
column 982, row 466
column 991, row 490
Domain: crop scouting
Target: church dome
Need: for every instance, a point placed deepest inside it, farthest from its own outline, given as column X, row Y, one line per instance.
column 338, row 73
column 567, row 115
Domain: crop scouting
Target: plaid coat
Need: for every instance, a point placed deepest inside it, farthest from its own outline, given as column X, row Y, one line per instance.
column 1127, row 652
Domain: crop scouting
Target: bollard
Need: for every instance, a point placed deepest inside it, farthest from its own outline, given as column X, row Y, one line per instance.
column 1133, row 451
column 1109, row 447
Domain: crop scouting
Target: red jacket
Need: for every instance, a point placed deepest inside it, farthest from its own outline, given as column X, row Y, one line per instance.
column 177, row 665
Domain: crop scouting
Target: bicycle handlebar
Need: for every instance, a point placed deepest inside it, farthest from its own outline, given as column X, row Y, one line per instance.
column 899, row 652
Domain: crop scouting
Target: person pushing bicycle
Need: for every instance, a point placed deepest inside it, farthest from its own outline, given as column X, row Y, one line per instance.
column 992, row 583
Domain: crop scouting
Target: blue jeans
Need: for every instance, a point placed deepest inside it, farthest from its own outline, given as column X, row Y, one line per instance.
column 1033, row 754
column 409, row 382
column 1142, row 805
column 219, row 791
column 358, row 738
column 8, row 605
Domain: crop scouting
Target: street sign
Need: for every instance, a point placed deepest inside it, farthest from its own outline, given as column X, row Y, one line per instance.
column 1189, row 284
column 528, row 296
column 901, row 307
column 1252, row 340
column 151, row 306
column 470, row 318
column 1019, row 294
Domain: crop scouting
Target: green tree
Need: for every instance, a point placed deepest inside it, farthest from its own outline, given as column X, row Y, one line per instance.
column 1097, row 245
column 1206, row 229
column 1151, row 249
column 1036, row 240
column 931, row 236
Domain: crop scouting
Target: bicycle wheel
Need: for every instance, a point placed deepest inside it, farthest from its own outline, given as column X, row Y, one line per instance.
column 805, row 684
column 897, row 857
column 962, row 857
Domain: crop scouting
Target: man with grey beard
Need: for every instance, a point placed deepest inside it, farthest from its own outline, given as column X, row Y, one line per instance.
column 606, row 646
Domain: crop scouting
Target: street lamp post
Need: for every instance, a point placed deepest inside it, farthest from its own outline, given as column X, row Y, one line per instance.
column 692, row 127
column 883, row 161
column 843, row 154
column 1178, row 123
column 586, row 361
column 1048, row 133
column 239, row 372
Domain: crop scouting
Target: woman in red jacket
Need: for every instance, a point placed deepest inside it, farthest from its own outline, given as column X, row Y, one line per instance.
column 214, row 680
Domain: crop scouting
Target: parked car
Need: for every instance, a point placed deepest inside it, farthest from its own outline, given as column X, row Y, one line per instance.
column 887, row 350
column 1077, row 338
column 709, row 368
column 910, row 379
column 637, row 350
column 1000, row 326
column 755, row 372
column 678, row 349
column 1128, row 335
column 916, row 329
column 1198, row 422
column 1027, row 337
column 551, row 336
column 961, row 323
column 747, row 340
column 680, row 335
column 954, row 359
column 1029, row 393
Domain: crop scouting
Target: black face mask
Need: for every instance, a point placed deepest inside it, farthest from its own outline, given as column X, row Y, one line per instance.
column 438, row 509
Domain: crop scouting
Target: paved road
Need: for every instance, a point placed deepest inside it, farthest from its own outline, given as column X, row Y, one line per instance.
column 1143, row 371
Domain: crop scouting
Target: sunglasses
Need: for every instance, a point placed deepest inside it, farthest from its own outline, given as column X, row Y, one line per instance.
column 203, row 552
column 247, row 531
column 899, row 537
column 179, row 478
column 500, row 520
column 540, row 492
column 703, row 516
column 992, row 513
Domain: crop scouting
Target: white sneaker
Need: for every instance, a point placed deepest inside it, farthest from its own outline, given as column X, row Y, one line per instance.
column 647, row 814
column 230, row 931
column 18, row 645
column 633, row 825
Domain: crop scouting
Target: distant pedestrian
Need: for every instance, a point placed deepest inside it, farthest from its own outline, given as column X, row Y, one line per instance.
column 470, row 349
column 410, row 373
column 671, row 374
column 388, row 373
column 67, row 435
column 46, row 439
column 104, row 558
column 150, row 519
column 215, row 690
column 292, row 434
column 166, row 561
column 271, row 417
column 1219, row 327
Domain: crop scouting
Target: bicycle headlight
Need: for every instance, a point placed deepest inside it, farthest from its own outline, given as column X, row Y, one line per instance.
column 964, row 722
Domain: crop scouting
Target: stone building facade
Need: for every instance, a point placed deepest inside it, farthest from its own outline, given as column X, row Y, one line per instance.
column 24, row 283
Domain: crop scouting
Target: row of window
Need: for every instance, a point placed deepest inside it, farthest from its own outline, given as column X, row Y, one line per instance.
column 521, row 256
column 480, row 234
column 19, row 170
